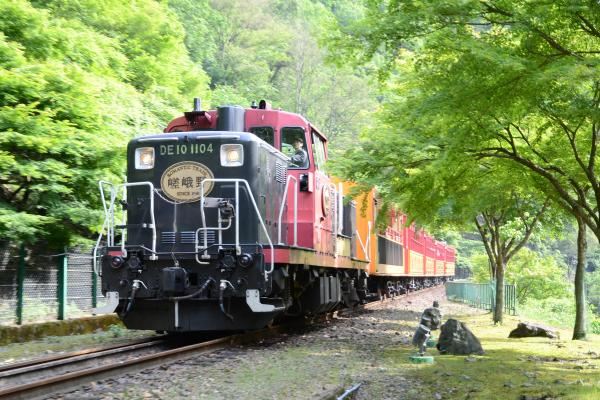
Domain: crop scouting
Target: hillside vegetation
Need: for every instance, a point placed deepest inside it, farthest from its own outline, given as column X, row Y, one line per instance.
column 79, row 78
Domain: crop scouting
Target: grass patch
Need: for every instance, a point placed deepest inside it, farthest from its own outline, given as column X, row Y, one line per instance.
column 510, row 368
column 558, row 312
column 59, row 344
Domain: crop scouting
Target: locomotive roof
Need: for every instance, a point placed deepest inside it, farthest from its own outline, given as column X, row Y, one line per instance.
column 199, row 135
column 253, row 117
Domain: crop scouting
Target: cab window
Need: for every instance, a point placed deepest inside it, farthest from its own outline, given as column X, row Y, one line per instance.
column 293, row 145
column 266, row 133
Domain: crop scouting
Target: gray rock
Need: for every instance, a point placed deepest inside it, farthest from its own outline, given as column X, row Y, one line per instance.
column 457, row 339
column 527, row 329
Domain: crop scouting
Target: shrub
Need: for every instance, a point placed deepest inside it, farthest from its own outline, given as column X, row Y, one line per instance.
column 537, row 276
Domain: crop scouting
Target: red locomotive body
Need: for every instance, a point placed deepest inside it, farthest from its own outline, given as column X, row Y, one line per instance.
column 230, row 221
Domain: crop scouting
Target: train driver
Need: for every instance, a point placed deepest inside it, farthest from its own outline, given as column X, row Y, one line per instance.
column 300, row 157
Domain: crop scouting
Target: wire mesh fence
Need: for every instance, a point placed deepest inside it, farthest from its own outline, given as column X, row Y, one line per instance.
column 38, row 288
column 482, row 295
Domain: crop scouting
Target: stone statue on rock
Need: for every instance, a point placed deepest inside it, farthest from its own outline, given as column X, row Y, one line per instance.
column 431, row 320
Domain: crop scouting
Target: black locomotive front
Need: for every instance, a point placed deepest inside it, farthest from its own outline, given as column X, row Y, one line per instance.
column 201, row 215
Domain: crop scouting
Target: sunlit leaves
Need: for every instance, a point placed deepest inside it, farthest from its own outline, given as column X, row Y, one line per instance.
column 77, row 80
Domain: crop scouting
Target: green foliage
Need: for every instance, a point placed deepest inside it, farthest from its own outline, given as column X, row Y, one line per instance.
column 595, row 326
column 559, row 312
column 480, row 267
column 116, row 331
column 486, row 82
column 537, row 276
column 62, row 65
column 272, row 51
column 505, row 87
column 78, row 78
column 593, row 289
column 466, row 245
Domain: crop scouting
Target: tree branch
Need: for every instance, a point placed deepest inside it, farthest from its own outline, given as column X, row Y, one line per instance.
column 524, row 137
column 488, row 250
column 590, row 218
column 587, row 26
column 529, row 230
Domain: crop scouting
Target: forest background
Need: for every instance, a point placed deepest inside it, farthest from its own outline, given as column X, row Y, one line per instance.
column 79, row 78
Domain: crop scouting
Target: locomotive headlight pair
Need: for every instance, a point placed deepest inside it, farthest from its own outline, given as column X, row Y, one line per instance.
column 232, row 155
column 144, row 158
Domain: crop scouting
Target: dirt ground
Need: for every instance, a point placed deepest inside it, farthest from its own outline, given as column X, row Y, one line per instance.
column 354, row 348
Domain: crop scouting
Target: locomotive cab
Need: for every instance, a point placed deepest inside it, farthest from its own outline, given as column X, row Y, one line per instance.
column 199, row 217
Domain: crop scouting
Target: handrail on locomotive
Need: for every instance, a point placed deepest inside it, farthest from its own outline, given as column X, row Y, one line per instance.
column 281, row 208
column 109, row 218
column 109, row 222
column 236, row 216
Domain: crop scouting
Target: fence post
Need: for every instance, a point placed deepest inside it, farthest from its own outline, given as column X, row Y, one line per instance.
column 515, row 298
column 62, row 284
column 493, row 295
column 20, row 284
column 94, row 287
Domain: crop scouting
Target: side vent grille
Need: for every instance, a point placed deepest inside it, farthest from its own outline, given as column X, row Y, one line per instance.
column 188, row 237
column 210, row 235
column 280, row 172
column 167, row 237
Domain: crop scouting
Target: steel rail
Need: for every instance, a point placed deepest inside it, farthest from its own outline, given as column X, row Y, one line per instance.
column 67, row 381
column 36, row 361
column 44, row 364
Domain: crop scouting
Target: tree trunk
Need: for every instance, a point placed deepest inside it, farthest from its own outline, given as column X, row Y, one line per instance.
column 499, row 306
column 580, row 303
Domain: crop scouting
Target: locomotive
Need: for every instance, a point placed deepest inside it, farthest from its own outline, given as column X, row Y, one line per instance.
column 228, row 221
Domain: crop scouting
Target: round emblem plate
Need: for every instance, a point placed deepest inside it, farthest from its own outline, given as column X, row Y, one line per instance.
column 181, row 181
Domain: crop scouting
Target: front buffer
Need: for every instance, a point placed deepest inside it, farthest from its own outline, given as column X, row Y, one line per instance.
column 227, row 292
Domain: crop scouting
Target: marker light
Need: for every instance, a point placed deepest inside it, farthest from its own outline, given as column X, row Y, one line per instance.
column 144, row 158
column 232, row 155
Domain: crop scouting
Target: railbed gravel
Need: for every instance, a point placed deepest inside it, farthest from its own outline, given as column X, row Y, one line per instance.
column 332, row 356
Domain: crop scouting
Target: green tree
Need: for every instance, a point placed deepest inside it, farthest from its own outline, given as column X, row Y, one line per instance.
column 436, row 188
column 273, row 50
column 536, row 276
column 151, row 38
column 507, row 80
column 77, row 78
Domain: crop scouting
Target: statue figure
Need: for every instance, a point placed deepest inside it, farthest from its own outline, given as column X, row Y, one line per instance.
column 431, row 320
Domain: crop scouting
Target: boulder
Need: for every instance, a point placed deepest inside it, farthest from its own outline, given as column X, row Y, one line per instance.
column 527, row 329
column 456, row 338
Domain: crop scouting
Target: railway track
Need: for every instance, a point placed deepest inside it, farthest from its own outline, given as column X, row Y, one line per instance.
column 33, row 377
column 42, row 377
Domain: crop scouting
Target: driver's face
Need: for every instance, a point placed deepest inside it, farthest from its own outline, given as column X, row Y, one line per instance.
column 297, row 145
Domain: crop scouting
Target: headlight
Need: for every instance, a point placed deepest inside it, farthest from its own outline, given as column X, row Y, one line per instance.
column 144, row 158
column 232, row 155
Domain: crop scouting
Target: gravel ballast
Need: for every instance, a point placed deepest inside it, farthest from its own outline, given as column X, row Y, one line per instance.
column 352, row 348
